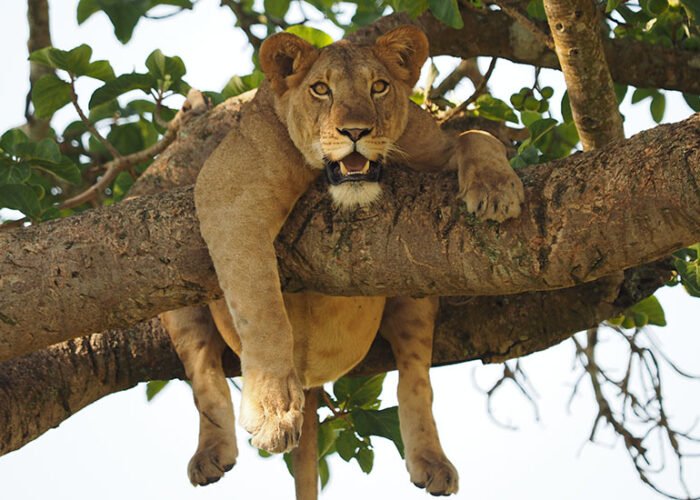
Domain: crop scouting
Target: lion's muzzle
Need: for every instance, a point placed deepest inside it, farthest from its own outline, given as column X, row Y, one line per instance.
column 353, row 168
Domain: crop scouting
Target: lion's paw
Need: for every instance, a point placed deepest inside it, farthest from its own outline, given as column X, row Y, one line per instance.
column 434, row 472
column 209, row 464
column 495, row 195
column 271, row 410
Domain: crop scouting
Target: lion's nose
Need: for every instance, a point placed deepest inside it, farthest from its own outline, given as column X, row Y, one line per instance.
column 354, row 134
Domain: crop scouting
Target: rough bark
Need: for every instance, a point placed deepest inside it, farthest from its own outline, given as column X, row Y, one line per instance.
column 587, row 216
column 575, row 27
column 494, row 34
column 40, row 390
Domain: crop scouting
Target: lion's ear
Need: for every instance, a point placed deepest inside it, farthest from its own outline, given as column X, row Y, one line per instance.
column 285, row 59
column 403, row 51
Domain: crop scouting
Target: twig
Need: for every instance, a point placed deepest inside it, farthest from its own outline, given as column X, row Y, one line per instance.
column 477, row 92
column 467, row 68
column 114, row 167
column 647, row 407
column 88, row 124
column 245, row 21
column 518, row 377
column 195, row 104
column 514, row 11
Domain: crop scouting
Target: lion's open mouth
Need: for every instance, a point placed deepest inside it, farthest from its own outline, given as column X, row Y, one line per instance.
column 354, row 167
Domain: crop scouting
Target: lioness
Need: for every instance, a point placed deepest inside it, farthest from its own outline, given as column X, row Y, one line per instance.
column 343, row 110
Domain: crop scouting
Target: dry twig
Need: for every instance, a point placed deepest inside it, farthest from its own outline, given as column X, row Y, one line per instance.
column 637, row 412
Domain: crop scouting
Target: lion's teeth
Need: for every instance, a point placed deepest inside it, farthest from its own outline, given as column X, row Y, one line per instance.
column 365, row 169
column 343, row 168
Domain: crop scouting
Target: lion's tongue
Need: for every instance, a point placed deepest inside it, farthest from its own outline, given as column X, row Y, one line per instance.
column 354, row 162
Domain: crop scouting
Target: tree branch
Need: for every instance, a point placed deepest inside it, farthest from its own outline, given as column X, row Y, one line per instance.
column 575, row 28
column 494, row 34
column 40, row 390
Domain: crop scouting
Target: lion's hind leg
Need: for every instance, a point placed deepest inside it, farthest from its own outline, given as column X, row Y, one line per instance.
column 408, row 325
column 200, row 347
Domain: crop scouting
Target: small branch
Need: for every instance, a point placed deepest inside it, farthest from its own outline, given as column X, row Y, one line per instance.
column 513, row 9
column 245, row 21
column 467, row 68
column 194, row 104
column 477, row 92
column 88, row 124
column 642, row 408
column 519, row 378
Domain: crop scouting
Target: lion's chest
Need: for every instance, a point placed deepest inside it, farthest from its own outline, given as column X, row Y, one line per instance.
column 331, row 334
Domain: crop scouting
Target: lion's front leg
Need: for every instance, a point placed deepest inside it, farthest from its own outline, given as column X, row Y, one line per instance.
column 487, row 183
column 241, row 210
column 408, row 325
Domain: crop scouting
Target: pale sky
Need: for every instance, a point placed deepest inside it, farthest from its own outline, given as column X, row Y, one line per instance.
column 122, row 447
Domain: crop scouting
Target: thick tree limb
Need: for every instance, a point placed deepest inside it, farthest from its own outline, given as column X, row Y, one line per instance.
column 579, row 46
column 494, row 34
column 587, row 216
column 40, row 390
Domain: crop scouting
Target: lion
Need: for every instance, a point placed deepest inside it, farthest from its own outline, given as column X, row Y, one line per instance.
column 345, row 111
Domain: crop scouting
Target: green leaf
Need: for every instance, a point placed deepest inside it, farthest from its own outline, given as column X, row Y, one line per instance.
column 383, row 423
column 491, row 108
column 75, row 61
column 540, row 128
column 566, row 112
column 315, row 37
column 101, row 70
column 612, row 5
column 154, row 387
column 323, row 472
column 240, row 84
column 14, row 173
column 693, row 101
column 360, row 392
column 11, row 139
column 648, row 311
column 657, row 107
column 641, row 94
column 121, row 85
column 161, row 66
column 365, row 457
column 124, row 14
column 687, row 264
column 86, row 8
column 535, row 9
column 446, row 11
column 49, row 95
column 347, row 444
column 328, row 432
column 620, row 92
column 20, row 197
column 651, row 309
column 413, row 8
column 66, row 170
column 276, row 8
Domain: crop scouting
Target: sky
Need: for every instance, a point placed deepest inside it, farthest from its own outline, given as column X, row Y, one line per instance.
column 123, row 447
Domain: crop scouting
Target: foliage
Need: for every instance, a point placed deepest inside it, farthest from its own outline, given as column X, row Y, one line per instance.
column 355, row 416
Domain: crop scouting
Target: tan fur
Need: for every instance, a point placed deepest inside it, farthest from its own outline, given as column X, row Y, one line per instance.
column 243, row 195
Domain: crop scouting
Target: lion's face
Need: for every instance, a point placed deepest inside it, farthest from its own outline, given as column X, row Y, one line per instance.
column 345, row 106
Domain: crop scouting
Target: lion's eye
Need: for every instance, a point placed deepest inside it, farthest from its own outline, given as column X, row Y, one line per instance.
column 320, row 89
column 380, row 87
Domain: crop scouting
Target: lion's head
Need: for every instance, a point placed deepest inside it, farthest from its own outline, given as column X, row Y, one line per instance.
column 345, row 105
